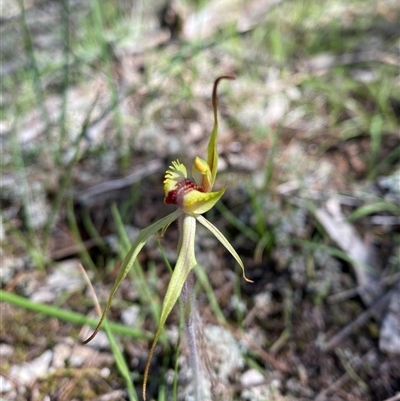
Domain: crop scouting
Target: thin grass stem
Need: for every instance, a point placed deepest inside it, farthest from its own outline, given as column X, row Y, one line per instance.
column 65, row 14
column 37, row 84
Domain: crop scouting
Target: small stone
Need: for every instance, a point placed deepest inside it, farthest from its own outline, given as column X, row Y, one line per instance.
column 79, row 355
column 105, row 372
column 83, row 355
column 130, row 315
column 61, row 353
column 251, row 377
column 6, row 350
column 5, row 385
column 389, row 340
column 10, row 265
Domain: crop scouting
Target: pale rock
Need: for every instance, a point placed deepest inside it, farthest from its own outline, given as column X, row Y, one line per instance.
column 389, row 339
column 5, row 385
column 28, row 372
column 67, row 277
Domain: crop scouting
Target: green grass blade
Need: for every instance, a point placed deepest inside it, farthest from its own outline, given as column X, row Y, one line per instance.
column 377, row 207
column 68, row 316
column 120, row 361
column 31, row 241
column 34, row 68
column 332, row 251
column 65, row 16
column 73, row 224
column 376, row 142
column 237, row 223
column 205, row 283
column 92, row 231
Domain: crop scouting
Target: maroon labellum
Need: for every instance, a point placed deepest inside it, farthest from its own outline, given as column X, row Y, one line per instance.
column 176, row 195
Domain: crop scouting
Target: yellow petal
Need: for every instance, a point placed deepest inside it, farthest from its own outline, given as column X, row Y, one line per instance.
column 201, row 173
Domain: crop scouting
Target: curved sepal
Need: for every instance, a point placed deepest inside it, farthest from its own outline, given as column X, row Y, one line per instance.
column 212, row 154
column 224, row 242
column 136, row 247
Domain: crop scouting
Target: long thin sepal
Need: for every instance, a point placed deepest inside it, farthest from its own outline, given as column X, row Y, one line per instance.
column 184, row 264
column 212, row 154
column 136, row 247
column 223, row 241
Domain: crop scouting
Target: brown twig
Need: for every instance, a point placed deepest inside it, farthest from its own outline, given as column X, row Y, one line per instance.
column 278, row 365
column 361, row 319
column 91, row 289
column 394, row 398
column 352, row 292
column 339, row 383
column 333, row 387
column 140, row 172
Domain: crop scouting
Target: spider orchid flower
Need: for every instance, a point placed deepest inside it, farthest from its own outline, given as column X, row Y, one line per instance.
column 193, row 198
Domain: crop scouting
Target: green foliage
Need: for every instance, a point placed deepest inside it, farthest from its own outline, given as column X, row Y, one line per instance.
column 69, row 316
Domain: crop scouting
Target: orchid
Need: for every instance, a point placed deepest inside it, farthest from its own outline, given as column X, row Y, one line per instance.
column 193, row 198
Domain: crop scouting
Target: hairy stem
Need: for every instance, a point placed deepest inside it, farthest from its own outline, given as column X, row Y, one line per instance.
column 188, row 301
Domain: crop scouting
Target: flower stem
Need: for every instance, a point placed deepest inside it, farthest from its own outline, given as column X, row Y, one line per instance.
column 189, row 309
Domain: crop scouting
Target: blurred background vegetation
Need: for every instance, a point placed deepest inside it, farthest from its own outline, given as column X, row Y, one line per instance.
column 99, row 96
